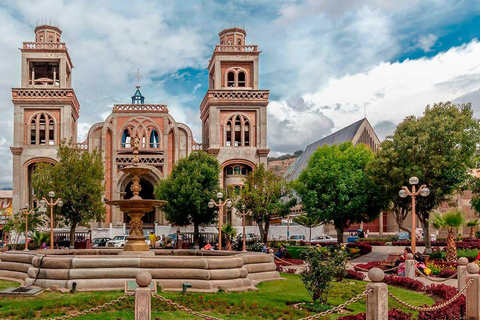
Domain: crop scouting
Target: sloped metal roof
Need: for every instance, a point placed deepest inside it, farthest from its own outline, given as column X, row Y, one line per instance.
column 342, row 135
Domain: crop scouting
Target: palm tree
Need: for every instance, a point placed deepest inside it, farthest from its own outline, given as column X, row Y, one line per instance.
column 308, row 221
column 40, row 237
column 451, row 221
column 228, row 232
column 472, row 224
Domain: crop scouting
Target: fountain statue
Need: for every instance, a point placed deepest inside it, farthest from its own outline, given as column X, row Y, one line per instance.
column 136, row 207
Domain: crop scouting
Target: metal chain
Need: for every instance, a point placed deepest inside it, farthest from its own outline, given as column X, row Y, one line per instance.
column 436, row 307
column 95, row 309
column 340, row 307
column 434, row 279
column 183, row 308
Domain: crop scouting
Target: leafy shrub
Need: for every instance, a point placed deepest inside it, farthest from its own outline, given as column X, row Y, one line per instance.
column 364, row 247
column 446, row 273
column 404, row 282
column 355, row 275
column 283, row 269
column 257, row 246
column 322, row 266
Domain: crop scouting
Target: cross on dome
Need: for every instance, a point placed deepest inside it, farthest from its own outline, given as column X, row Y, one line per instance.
column 138, row 98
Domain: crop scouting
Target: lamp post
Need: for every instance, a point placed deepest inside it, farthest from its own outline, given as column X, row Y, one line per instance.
column 51, row 204
column 220, row 206
column 423, row 191
column 25, row 210
column 243, row 214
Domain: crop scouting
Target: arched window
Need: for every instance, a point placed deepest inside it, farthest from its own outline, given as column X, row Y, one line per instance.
column 126, row 139
column 236, row 77
column 229, row 171
column 239, row 42
column 41, row 38
column 241, row 79
column 231, row 79
column 42, row 129
column 50, row 38
column 154, row 139
column 244, row 171
column 236, row 170
column 237, row 190
column 237, row 131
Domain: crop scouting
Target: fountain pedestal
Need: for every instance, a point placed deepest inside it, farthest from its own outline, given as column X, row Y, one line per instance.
column 136, row 207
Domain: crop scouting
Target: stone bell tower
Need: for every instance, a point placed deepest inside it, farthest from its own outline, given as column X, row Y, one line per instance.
column 234, row 110
column 45, row 108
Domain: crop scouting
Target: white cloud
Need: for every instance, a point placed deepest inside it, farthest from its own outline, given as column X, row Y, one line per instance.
column 395, row 90
column 426, row 43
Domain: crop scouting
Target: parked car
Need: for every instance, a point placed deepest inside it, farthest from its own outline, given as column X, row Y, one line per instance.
column 323, row 239
column 100, row 242
column 297, row 237
column 249, row 236
column 117, row 242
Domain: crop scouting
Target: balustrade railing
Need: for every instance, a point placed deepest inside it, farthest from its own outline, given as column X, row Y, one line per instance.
column 236, row 48
column 45, row 45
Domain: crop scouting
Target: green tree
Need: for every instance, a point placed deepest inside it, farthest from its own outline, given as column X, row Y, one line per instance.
column 472, row 224
column 193, row 182
column 267, row 196
column 451, row 221
column 438, row 148
column 16, row 223
column 308, row 221
column 228, row 232
column 388, row 173
column 77, row 178
column 335, row 186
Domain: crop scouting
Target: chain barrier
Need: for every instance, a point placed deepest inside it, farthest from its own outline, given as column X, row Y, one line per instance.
column 365, row 270
column 95, row 309
column 340, row 307
column 183, row 308
column 434, row 279
column 434, row 308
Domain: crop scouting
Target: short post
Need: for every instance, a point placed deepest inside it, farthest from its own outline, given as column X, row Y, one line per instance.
column 377, row 299
column 473, row 292
column 462, row 273
column 410, row 266
column 143, row 296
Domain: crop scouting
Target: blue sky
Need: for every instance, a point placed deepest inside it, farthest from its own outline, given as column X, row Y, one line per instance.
column 322, row 60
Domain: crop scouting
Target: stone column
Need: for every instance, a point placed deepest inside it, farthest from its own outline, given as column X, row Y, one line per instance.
column 473, row 292
column 143, row 296
column 377, row 300
column 380, row 221
column 410, row 267
column 461, row 273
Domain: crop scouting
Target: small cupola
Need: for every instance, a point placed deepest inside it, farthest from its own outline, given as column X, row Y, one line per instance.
column 48, row 33
column 232, row 37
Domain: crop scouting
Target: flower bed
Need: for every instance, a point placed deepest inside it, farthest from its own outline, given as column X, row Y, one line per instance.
column 454, row 311
column 405, row 283
column 355, row 275
column 288, row 262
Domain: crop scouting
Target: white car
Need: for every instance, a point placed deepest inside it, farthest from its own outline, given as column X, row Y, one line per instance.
column 117, row 242
column 323, row 239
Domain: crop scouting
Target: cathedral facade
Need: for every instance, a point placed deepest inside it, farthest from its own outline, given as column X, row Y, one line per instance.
column 46, row 112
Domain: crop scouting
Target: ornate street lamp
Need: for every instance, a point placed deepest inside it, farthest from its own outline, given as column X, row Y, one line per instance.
column 51, row 204
column 26, row 212
column 243, row 214
column 423, row 191
column 220, row 205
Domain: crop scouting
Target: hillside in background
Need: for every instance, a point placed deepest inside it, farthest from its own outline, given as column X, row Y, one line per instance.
column 279, row 165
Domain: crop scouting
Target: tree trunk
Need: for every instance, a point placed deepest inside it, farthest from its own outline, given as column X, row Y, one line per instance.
column 426, row 235
column 310, row 237
column 339, row 235
column 72, row 235
column 472, row 232
column 451, row 248
column 196, row 236
column 400, row 216
column 260, row 228
column 265, row 233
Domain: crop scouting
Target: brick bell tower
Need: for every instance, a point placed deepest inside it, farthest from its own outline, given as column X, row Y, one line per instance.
column 45, row 108
column 234, row 110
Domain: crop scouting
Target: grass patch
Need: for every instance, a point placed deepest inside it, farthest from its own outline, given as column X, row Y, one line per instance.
column 272, row 301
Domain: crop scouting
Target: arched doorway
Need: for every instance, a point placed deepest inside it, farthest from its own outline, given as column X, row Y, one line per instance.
column 146, row 193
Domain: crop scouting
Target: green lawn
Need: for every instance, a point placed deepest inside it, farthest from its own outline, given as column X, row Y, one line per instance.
column 271, row 301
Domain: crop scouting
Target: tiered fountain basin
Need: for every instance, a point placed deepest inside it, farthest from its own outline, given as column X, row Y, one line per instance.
column 106, row 269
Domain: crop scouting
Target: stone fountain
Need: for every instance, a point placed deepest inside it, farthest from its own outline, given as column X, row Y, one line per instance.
column 136, row 207
column 112, row 268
